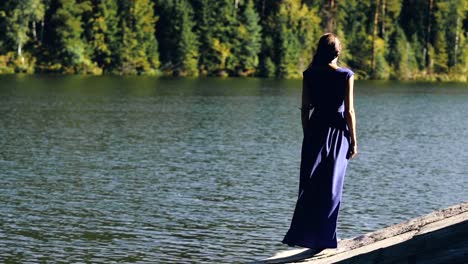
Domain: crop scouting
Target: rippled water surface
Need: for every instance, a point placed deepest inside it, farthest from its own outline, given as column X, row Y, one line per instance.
column 140, row 170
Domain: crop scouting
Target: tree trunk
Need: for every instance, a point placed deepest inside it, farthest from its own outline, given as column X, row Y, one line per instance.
column 457, row 40
column 42, row 30
column 428, row 33
column 374, row 34
column 20, row 52
column 236, row 3
column 331, row 16
column 382, row 29
column 34, row 30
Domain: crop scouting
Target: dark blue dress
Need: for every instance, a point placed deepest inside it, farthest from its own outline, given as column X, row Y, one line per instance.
column 323, row 160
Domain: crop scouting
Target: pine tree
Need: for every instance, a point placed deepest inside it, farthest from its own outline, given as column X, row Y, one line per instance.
column 415, row 20
column 389, row 13
column 440, row 40
column 354, row 24
column 401, row 57
column 103, row 34
column 216, row 26
column 440, row 53
column 417, row 47
column 391, row 10
column 249, row 37
column 204, row 30
column 67, row 31
column 186, row 44
column 268, row 69
column 268, row 57
column 457, row 12
column 308, row 32
column 289, row 53
column 381, row 68
column 165, row 34
column 224, row 37
column 139, row 49
column 297, row 35
column 345, row 17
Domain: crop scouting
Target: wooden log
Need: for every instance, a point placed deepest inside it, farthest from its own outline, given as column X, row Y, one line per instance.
column 439, row 237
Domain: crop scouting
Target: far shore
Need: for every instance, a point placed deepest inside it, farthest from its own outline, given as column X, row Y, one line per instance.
column 435, row 78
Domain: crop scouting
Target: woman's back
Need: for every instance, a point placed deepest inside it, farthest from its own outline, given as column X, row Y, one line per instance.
column 325, row 88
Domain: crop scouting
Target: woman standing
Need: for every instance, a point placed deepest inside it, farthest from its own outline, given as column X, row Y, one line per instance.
column 329, row 126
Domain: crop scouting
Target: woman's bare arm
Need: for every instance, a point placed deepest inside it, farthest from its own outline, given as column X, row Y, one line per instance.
column 351, row 117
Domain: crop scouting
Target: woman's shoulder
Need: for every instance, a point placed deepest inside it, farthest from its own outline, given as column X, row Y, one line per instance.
column 310, row 70
column 348, row 72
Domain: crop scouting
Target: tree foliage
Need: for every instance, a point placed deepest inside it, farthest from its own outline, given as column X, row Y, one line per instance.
column 102, row 34
column 382, row 39
column 139, row 48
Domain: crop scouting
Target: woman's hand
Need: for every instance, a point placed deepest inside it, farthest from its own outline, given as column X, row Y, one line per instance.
column 352, row 152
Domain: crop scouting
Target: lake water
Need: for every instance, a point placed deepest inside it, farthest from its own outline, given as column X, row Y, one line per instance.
column 105, row 170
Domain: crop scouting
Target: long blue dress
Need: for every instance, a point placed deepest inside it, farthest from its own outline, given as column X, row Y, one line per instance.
column 323, row 160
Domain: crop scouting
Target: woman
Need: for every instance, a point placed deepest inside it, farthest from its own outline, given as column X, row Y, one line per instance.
column 329, row 125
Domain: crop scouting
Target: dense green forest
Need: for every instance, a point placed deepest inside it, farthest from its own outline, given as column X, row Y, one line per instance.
column 382, row 39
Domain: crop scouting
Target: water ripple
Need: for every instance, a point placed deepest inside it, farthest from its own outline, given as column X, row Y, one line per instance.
column 190, row 174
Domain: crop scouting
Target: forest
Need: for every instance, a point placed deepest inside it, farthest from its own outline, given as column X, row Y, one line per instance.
column 382, row 39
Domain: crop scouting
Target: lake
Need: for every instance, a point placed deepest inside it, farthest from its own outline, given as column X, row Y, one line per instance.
column 141, row 170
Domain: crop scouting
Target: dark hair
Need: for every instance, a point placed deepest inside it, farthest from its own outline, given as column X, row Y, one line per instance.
column 328, row 49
